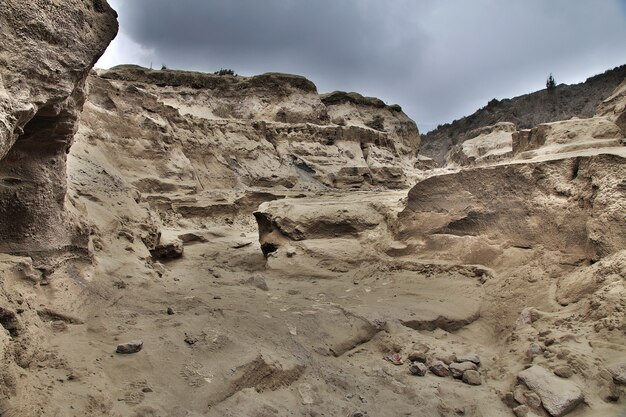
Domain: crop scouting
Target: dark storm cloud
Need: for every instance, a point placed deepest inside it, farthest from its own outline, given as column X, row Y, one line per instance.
column 439, row 59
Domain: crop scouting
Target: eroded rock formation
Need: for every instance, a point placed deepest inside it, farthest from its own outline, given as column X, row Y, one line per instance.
column 46, row 53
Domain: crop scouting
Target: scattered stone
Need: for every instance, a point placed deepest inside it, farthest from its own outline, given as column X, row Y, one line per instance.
column 448, row 359
column 170, row 311
column 472, row 377
column 192, row 237
column 618, row 371
column 417, row 357
column 564, row 371
column 130, row 347
column 418, row 368
column 558, row 396
column 291, row 252
column 241, row 244
column 440, row 369
column 528, row 316
column 146, row 389
column 470, row 357
column 190, row 340
column 457, row 369
column 306, row 394
column 521, row 411
column 534, row 350
column 509, row 399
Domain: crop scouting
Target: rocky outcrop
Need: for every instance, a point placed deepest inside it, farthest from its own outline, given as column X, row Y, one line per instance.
column 46, row 54
column 487, row 144
column 564, row 102
column 614, row 107
column 568, row 135
column 353, row 109
column 271, row 130
column 572, row 205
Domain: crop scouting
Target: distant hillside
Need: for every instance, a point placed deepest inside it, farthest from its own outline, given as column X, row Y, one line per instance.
column 526, row 111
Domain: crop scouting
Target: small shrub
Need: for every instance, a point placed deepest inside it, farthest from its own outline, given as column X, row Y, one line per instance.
column 225, row 72
column 550, row 83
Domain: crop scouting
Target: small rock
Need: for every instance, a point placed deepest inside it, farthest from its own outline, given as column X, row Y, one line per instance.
column 170, row 311
column 470, row 357
column 564, row 372
column 130, row 347
column 509, row 399
column 618, row 371
column 528, row 316
column 448, row 359
column 472, row 377
column 291, row 252
column 190, row 340
column 417, row 357
column 521, row 411
column 241, row 244
column 440, row 369
column 418, row 368
column 457, row 369
column 558, row 396
column 306, row 394
column 534, row 350
column 146, row 389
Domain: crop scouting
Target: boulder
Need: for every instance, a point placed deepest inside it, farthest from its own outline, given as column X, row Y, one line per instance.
column 558, row 396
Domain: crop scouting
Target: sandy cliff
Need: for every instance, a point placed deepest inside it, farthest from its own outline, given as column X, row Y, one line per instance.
column 47, row 50
column 227, row 246
column 566, row 101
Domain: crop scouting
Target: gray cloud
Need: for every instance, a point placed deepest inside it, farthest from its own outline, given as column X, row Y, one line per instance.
column 439, row 59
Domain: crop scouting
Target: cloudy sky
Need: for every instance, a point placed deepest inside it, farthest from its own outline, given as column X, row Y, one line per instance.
column 438, row 59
